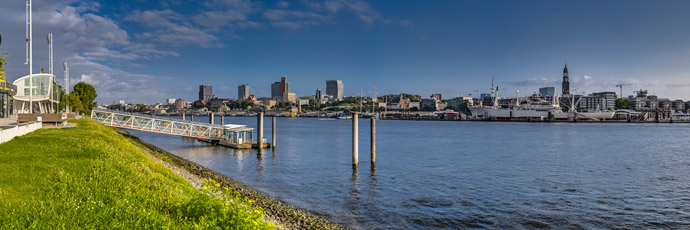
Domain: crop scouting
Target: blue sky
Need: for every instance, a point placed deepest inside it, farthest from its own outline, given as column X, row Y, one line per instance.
column 146, row 51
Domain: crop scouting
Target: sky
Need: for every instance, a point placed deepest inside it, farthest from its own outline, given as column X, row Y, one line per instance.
column 145, row 51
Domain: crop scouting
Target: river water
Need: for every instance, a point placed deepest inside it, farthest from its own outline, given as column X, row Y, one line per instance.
column 456, row 175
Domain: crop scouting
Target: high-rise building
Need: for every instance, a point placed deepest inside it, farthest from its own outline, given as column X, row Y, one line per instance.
column 436, row 96
column 335, row 89
column 284, row 86
column 566, row 81
column 547, row 91
column 171, row 101
column 205, row 93
column 319, row 97
column 276, row 90
column 243, row 91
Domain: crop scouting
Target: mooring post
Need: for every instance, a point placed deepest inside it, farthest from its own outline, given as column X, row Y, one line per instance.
column 260, row 130
column 373, row 140
column 355, row 139
column 210, row 118
column 192, row 117
column 273, row 132
column 183, row 117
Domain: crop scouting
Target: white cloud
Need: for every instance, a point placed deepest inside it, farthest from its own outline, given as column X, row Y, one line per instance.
column 360, row 8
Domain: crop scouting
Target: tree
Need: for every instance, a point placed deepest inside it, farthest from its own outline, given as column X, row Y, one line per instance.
column 2, row 66
column 75, row 103
column 86, row 94
column 623, row 104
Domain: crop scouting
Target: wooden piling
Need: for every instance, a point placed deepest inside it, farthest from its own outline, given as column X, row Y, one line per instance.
column 355, row 139
column 273, row 130
column 183, row 117
column 373, row 140
column 222, row 120
column 260, row 130
column 192, row 117
column 210, row 118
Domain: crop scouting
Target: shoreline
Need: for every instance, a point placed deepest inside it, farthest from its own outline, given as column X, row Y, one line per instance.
column 286, row 215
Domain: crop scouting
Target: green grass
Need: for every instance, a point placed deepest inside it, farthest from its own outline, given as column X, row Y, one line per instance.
column 92, row 177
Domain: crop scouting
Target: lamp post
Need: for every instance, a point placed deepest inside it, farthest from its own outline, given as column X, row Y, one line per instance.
column 29, row 53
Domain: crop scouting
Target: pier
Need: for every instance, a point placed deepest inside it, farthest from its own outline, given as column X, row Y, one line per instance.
column 234, row 136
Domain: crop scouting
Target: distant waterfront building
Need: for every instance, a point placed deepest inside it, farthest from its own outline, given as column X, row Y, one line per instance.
column 678, row 105
column 205, row 93
column 243, row 91
column 608, row 100
column 484, row 95
column 547, row 91
column 591, row 103
column 566, row 81
column 457, row 102
column 171, row 101
column 319, row 97
column 121, row 102
column 436, row 96
column 429, row 104
column 275, row 90
column 180, row 104
column 645, row 102
column 335, row 89
column 284, row 86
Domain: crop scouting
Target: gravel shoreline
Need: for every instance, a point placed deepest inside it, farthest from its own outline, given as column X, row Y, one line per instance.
column 284, row 215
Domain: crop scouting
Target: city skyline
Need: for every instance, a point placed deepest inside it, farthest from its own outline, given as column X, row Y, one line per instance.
column 150, row 51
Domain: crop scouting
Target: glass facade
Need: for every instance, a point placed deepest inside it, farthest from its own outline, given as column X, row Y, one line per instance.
column 41, row 85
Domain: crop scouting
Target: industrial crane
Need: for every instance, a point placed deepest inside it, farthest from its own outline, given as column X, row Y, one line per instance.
column 621, row 87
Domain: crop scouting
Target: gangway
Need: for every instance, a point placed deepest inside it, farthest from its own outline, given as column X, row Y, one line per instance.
column 236, row 136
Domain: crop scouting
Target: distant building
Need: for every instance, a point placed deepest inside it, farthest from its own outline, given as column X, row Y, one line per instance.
column 171, row 101
column 609, row 100
column 458, row 101
column 335, row 89
column 276, row 90
column 645, row 102
column 678, row 105
column 591, row 103
column 547, row 91
column 436, row 96
column 319, row 97
column 484, row 95
column 291, row 97
column 429, row 104
column 566, row 81
column 180, row 104
column 205, row 93
column 243, row 91
column 284, row 86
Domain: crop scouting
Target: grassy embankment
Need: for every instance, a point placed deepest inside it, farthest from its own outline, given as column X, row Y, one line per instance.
column 92, row 177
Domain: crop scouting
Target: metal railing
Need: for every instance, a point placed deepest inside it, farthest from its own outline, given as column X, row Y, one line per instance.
column 158, row 124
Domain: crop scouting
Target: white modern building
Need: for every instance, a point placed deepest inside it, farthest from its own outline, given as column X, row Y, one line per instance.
column 46, row 94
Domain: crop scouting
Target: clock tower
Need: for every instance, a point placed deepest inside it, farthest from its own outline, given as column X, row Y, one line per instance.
column 566, row 81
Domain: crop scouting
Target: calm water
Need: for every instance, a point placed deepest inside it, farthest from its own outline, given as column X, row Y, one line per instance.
column 436, row 175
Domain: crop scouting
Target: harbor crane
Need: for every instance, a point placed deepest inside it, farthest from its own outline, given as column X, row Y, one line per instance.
column 621, row 87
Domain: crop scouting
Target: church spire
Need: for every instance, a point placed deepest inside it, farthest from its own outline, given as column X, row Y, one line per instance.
column 566, row 81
